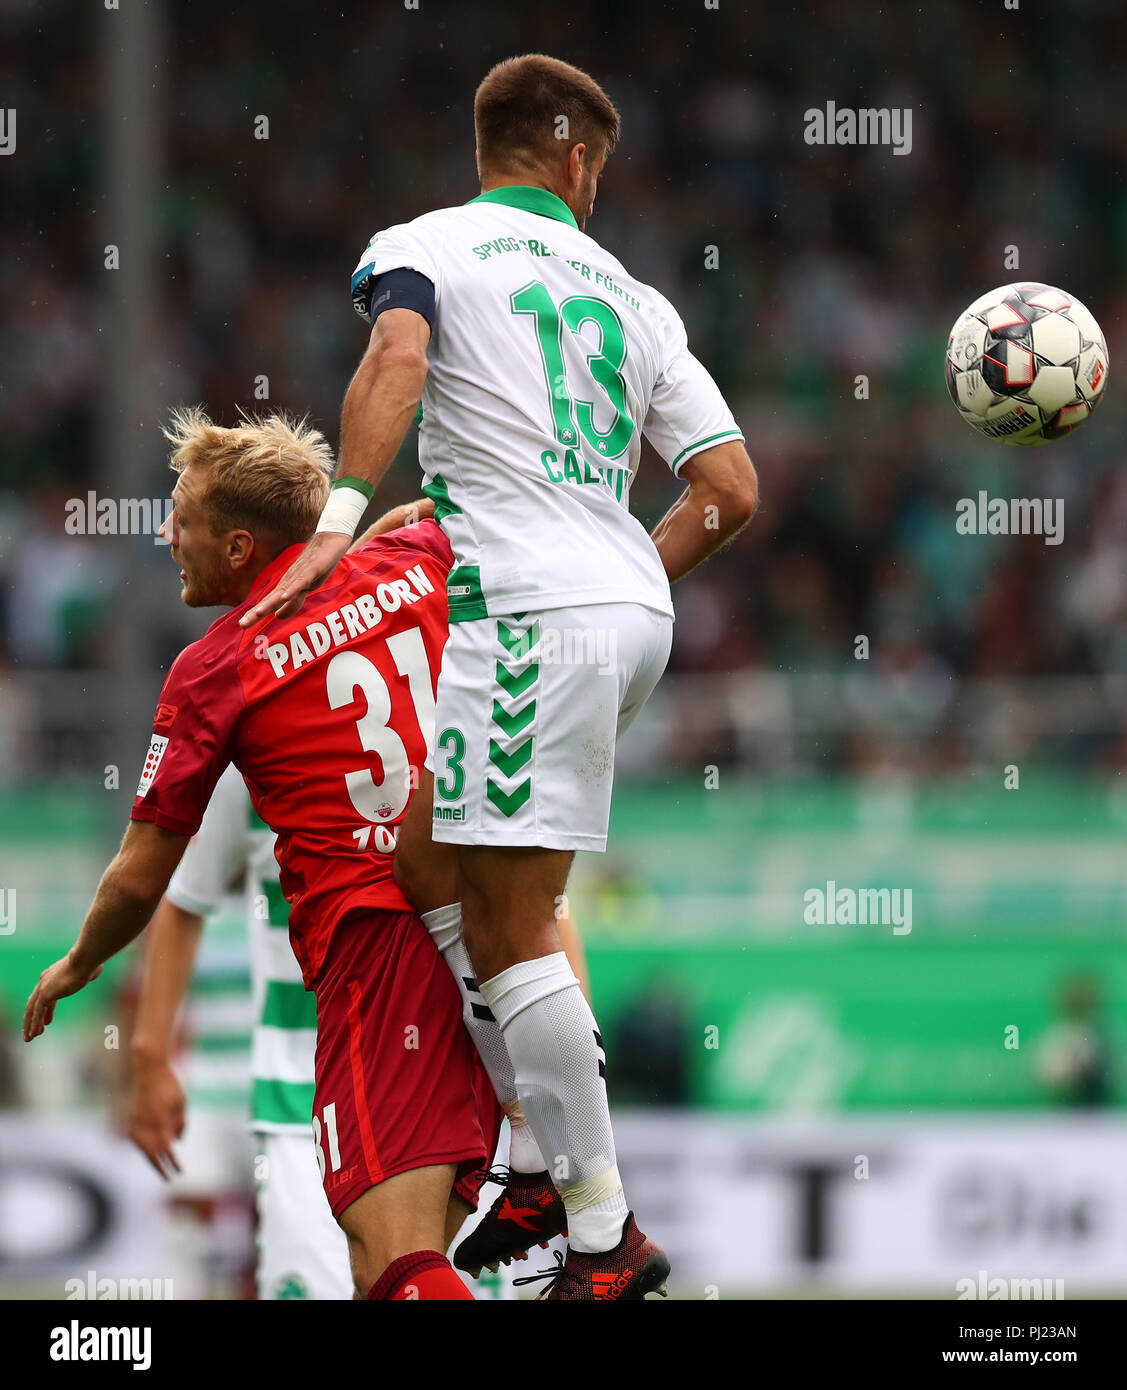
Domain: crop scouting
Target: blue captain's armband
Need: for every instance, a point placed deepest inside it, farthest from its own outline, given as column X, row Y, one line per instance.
column 393, row 289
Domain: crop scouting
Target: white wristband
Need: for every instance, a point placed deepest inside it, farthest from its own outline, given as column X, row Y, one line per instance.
column 347, row 503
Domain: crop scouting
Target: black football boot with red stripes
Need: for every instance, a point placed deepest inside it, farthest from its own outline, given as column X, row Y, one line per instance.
column 634, row 1268
column 528, row 1212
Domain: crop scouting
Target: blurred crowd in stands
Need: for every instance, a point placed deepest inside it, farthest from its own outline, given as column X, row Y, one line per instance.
column 831, row 264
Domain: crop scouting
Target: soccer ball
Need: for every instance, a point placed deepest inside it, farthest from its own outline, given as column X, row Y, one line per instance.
column 1026, row 363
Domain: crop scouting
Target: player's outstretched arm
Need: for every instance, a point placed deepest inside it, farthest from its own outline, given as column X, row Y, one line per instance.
column 722, row 497
column 156, row 1098
column 126, row 899
column 379, row 406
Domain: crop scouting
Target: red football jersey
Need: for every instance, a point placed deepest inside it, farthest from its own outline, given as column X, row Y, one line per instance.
column 327, row 714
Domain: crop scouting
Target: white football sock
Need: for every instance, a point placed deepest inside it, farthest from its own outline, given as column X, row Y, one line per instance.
column 445, row 927
column 551, row 1036
column 524, row 1151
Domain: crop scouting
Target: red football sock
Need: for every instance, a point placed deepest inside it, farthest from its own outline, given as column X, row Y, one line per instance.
column 424, row 1274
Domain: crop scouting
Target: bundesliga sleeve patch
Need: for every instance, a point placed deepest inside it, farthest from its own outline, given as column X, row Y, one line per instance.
column 164, row 716
column 157, row 745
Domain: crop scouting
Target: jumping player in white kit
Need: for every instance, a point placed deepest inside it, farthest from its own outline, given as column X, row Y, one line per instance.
column 540, row 362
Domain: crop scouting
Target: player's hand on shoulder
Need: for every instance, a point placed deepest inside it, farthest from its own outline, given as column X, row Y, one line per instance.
column 308, row 572
column 422, row 509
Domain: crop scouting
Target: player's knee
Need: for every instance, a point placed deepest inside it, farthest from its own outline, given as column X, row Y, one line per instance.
column 370, row 1253
column 362, row 1260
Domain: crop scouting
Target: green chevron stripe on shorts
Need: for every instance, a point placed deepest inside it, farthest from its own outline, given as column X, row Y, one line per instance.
column 518, row 644
column 516, row 675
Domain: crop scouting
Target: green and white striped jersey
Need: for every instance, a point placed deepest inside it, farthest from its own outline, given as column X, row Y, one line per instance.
column 548, row 363
column 279, row 1040
column 219, row 1014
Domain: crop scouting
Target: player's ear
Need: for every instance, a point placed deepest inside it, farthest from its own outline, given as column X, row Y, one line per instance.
column 240, row 548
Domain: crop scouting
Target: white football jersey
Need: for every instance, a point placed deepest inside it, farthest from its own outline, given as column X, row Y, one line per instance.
column 548, row 361
column 279, row 1056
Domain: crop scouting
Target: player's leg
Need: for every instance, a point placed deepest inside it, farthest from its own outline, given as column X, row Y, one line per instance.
column 427, row 873
column 635, row 649
column 528, row 1211
column 302, row 1252
column 458, row 1212
column 509, row 901
column 510, row 898
column 395, row 1110
column 397, row 1233
column 518, row 788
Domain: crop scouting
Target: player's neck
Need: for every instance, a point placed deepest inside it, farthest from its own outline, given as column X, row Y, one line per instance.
column 242, row 583
column 490, row 182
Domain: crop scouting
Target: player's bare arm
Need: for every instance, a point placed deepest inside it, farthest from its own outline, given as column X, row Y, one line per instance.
column 384, row 394
column 156, row 1098
column 420, row 510
column 722, row 497
column 125, row 901
column 379, row 407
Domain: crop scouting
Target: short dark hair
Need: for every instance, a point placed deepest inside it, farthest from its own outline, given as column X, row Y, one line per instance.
column 519, row 102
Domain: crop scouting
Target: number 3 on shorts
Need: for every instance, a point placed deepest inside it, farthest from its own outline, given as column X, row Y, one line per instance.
column 452, row 783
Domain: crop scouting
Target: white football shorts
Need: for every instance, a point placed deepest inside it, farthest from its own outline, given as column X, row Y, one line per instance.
column 302, row 1252
column 529, row 710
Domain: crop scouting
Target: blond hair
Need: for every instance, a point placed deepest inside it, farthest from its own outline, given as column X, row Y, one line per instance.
column 519, row 102
column 265, row 475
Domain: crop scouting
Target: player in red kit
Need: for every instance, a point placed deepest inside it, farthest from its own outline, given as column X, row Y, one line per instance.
column 328, row 715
